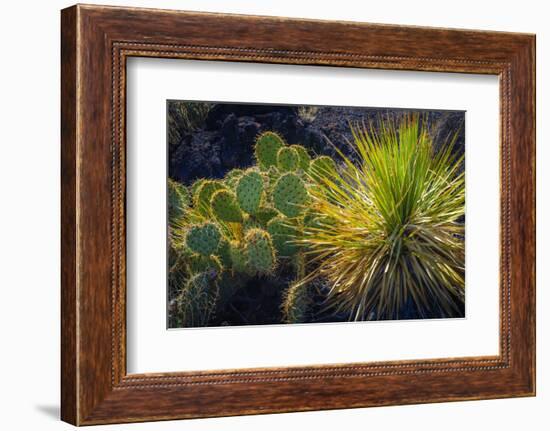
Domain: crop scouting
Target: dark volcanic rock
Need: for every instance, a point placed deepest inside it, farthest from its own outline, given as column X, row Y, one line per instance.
column 226, row 140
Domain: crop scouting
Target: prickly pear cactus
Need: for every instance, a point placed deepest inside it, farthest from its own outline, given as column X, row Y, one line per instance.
column 303, row 157
column 249, row 191
column 196, row 185
column 250, row 223
column 322, row 167
column 290, row 195
column 283, row 234
column 196, row 301
column 203, row 239
column 296, row 303
column 264, row 214
column 245, row 225
column 270, row 178
column 238, row 257
column 199, row 263
column 204, row 194
column 232, row 177
column 266, row 149
column 260, row 256
column 178, row 200
column 225, row 207
column 287, row 159
column 224, row 253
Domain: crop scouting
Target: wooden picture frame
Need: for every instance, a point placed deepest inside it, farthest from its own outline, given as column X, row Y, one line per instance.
column 95, row 43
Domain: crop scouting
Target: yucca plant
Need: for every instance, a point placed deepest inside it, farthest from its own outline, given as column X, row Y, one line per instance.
column 389, row 230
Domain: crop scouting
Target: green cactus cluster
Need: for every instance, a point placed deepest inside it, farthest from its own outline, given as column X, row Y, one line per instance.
column 247, row 224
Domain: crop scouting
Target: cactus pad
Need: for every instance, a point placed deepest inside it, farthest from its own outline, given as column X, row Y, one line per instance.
column 303, row 157
column 209, row 264
column 203, row 239
column 224, row 253
column 260, row 256
column 290, row 195
column 250, row 223
column 287, row 159
column 238, row 258
column 224, row 206
column 270, row 178
column 266, row 149
column 283, row 234
column 249, row 191
column 204, row 195
column 196, row 185
column 232, row 177
column 264, row 214
column 296, row 304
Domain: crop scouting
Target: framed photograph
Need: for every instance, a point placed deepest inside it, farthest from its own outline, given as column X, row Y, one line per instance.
column 266, row 215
